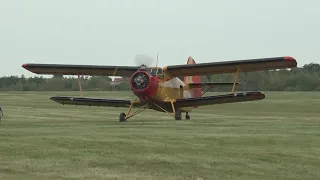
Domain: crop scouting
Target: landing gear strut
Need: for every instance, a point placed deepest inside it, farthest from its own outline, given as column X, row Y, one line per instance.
column 176, row 113
column 123, row 116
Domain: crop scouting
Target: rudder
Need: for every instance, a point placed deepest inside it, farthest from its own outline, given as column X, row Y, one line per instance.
column 195, row 92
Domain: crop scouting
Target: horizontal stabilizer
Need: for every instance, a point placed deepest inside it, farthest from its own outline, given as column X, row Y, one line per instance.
column 211, row 84
column 91, row 101
column 219, row 99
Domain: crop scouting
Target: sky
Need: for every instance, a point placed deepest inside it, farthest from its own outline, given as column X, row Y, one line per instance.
column 113, row 32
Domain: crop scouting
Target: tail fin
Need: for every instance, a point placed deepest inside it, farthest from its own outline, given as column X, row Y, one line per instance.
column 195, row 92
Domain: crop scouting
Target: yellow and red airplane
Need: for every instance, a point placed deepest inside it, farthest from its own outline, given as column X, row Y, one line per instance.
column 161, row 89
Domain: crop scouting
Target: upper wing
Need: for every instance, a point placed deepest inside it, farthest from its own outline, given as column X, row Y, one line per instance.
column 93, row 70
column 231, row 66
column 219, row 99
column 93, row 101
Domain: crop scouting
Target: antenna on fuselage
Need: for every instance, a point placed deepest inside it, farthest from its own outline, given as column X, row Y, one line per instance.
column 157, row 64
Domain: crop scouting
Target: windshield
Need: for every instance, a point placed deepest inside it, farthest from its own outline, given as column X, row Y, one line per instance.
column 153, row 71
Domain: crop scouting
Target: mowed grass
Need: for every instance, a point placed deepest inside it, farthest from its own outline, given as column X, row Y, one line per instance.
column 276, row 138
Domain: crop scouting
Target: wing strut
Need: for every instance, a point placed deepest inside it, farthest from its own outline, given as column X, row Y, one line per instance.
column 235, row 79
column 80, row 85
column 208, row 88
column 172, row 105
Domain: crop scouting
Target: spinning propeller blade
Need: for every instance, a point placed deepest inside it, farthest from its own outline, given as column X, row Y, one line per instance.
column 143, row 60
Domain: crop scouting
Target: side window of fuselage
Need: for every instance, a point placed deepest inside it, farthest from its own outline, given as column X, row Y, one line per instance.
column 160, row 74
column 160, row 71
column 152, row 72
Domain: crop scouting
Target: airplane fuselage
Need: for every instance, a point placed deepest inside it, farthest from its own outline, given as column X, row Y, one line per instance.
column 156, row 89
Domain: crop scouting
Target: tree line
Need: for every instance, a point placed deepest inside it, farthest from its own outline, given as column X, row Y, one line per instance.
column 306, row 78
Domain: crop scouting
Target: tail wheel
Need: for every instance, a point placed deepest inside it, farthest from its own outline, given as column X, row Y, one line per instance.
column 122, row 117
column 178, row 115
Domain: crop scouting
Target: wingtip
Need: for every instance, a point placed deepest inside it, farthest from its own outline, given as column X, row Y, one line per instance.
column 53, row 99
column 292, row 61
column 289, row 58
column 259, row 95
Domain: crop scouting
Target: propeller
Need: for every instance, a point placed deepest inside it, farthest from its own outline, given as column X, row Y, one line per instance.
column 139, row 60
column 143, row 60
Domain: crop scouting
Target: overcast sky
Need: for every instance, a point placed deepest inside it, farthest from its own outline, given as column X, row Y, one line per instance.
column 112, row 32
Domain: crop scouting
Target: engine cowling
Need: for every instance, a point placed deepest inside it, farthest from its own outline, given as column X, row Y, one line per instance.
column 143, row 84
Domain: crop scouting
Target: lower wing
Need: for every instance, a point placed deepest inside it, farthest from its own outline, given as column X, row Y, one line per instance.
column 211, row 84
column 219, row 99
column 93, row 101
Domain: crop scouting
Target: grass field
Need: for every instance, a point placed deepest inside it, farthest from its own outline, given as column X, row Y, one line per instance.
column 276, row 138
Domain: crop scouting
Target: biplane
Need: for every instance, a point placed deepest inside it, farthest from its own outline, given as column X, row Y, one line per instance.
column 173, row 89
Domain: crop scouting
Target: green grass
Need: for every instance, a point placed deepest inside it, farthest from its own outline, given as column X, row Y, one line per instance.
column 276, row 138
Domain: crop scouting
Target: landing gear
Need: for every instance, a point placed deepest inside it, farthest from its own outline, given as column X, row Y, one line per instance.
column 177, row 115
column 176, row 112
column 187, row 116
column 122, row 117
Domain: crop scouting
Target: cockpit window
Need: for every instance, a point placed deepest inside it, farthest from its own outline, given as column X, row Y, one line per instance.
column 153, row 71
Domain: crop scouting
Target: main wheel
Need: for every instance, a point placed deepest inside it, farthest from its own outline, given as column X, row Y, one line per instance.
column 122, row 117
column 187, row 116
column 177, row 115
